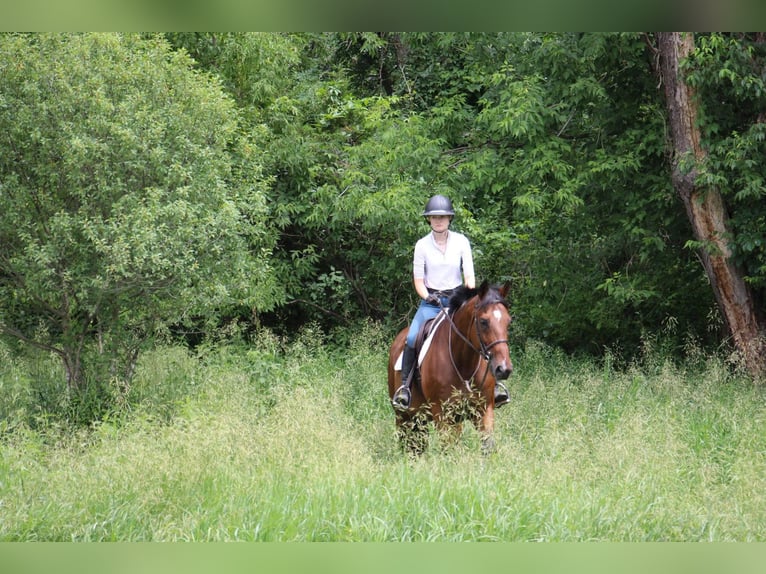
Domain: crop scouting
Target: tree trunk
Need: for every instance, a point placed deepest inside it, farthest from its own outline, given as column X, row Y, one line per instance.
column 705, row 207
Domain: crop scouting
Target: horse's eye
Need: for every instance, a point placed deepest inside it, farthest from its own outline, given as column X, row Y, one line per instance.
column 484, row 324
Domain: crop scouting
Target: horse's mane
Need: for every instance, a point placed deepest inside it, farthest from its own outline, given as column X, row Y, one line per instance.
column 459, row 296
column 463, row 294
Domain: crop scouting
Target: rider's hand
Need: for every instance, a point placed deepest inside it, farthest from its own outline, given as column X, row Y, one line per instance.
column 433, row 299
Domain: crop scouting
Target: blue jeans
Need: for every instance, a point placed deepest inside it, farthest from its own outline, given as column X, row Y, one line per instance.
column 425, row 312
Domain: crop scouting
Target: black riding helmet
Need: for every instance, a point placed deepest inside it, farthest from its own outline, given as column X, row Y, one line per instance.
column 438, row 205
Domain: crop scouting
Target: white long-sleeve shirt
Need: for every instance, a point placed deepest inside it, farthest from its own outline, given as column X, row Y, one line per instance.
column 442, row 271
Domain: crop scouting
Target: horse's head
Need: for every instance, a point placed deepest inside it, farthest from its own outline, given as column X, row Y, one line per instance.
column 492, row 322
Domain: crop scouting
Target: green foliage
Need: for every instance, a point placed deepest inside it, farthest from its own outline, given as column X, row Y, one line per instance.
column 127, row 202
column 727, row 72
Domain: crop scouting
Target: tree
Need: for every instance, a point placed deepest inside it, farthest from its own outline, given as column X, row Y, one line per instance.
column 128, row 201
column 704, row 203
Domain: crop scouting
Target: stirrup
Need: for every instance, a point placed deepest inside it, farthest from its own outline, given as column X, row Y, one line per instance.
column 402, row 398
column 501, row 395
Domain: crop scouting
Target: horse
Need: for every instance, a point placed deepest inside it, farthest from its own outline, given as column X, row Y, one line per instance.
column 468, row 353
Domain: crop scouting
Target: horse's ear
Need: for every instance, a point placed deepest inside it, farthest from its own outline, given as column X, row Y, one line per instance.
column 483, row 289
column 505, row 289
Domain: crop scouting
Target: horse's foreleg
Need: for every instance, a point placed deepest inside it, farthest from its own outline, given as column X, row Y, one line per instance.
column 486, row 428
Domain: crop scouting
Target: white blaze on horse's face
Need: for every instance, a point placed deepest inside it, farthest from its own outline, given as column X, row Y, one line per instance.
column 500, row 361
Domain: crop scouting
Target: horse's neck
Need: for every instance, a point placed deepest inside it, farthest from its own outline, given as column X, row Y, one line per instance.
column 463, row 323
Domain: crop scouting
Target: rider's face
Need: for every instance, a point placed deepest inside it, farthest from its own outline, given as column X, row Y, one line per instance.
column 439, row 223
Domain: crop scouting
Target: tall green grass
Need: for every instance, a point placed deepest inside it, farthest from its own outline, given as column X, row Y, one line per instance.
column 295, row 441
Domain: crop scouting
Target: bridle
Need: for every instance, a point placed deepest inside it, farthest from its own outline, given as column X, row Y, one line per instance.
column 483, row 351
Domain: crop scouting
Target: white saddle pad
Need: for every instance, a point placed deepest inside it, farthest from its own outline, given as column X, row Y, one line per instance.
column 426, row 344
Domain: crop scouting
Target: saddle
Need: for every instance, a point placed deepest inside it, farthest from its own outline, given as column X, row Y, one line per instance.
column 422, row 342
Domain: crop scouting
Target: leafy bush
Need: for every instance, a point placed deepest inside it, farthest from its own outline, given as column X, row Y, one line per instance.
column 119, row 211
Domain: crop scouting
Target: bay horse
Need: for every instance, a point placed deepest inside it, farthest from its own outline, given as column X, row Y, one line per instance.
column 468, row 353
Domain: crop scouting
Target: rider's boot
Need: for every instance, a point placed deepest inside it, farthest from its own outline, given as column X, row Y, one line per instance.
column 501, row 395
column 402, row 396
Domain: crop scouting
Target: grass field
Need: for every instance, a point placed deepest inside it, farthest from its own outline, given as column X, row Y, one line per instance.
column 295, row 442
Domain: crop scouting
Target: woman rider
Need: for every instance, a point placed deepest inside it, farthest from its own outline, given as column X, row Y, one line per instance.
column 442, row 261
